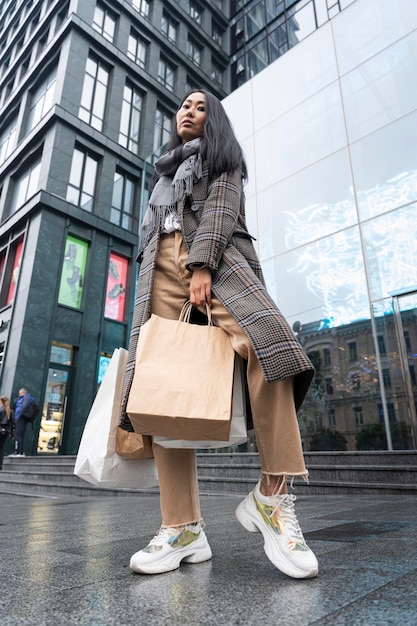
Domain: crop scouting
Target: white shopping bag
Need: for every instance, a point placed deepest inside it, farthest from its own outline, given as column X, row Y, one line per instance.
column 238, row 432
column 97, row 460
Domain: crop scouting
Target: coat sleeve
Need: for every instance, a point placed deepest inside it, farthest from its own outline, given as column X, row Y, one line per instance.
column 218, row 220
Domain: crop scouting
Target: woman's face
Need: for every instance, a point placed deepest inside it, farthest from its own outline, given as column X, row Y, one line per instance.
column 191, row 117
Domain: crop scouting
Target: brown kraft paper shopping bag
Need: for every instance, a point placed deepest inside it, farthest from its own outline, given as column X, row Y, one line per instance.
column 182, row 387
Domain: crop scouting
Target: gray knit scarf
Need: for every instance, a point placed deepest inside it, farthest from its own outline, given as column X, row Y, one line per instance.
column 178, row 169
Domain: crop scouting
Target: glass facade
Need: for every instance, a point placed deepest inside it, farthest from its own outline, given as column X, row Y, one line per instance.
column 329, row 132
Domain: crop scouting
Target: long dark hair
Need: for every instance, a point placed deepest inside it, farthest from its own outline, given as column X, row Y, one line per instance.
column 219, row 146
column 6, row 405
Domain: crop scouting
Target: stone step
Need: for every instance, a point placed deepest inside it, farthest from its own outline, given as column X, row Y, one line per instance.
column 225, row 472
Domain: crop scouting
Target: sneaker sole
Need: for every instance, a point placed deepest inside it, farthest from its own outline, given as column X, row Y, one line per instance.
column 198, row 552
column 249, row 518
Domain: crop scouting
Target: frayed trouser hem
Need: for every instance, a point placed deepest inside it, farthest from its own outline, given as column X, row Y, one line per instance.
column 286, row 478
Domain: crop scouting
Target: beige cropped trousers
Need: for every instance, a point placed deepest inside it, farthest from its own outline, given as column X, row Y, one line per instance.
column 273, row 411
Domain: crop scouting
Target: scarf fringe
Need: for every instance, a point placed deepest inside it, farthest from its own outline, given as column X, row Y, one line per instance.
column 173, row 185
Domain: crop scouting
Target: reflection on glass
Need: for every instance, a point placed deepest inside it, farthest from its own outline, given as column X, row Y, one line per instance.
column 329, row 272
column 314, row 202
column 391, row 251
column 343, row 409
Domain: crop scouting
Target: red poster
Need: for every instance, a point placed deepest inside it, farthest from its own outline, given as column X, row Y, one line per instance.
column 15, row 272
column 116, row 288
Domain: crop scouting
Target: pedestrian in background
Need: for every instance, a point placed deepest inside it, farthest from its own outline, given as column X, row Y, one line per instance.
column 24, row 400
column 6, row 425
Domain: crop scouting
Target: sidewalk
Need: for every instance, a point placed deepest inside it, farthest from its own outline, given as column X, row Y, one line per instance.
column 65, row 560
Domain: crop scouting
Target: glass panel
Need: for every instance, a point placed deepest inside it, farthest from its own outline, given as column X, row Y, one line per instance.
column 325, row 278
column 61, row 353
column 89, row 181
column 382, row 89
column 307, row 69
column 391, row 252
column 314, row 202
column 304, row 135
column 116, row 288
column 255, row 19
column 384, row 167
column 73, row 272
column 76, row 168
column 369, row 27
column 33, row 182
column 117, row 190
column 306, row 21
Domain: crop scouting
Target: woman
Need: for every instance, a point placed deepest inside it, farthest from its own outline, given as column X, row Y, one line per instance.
column 195, row 245
column 6, row 425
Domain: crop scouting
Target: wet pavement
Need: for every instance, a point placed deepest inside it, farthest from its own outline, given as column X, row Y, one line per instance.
column 65, row 560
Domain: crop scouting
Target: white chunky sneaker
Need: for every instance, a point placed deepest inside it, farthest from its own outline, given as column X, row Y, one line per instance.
column 169, row 547
column 284, row 543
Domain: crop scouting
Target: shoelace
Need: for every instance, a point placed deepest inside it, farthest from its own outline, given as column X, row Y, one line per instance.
column 285, row 504
column 164, row 534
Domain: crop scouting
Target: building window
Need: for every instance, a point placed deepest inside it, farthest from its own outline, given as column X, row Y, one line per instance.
column 143, row 6
column 216, row 72
column 381, row 344
column 329, row 386
column 163, row 128
column 104, row 22
column 116, row 288
column 82, row 180
column 194, row 51
column 216, row 33
column 169, row 26
column 137, row 49
column 122, row 201
column 73, row 272
column 93, row 98
column 407, row 340
column 8, row 140
column 130, row 119
column 166, row 74
column 255, row 19
column 327, row 356
column 42, row 100
column 331, row 416
column 386, row 376
column 196, row 11
column 358, row 415
column 352, row 351
column 26, row 186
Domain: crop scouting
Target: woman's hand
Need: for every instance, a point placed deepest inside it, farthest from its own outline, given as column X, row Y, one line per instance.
column 200, row 287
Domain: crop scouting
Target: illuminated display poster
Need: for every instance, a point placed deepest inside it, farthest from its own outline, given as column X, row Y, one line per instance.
column 73, row 272
column 116, row 288
column 15, row 272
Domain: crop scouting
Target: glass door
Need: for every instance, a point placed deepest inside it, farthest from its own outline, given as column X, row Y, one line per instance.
column 55, row 399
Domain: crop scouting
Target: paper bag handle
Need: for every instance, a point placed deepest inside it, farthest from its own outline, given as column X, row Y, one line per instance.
column 185, row 315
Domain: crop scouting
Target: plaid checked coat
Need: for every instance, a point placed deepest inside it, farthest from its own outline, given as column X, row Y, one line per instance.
column 215, row 233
